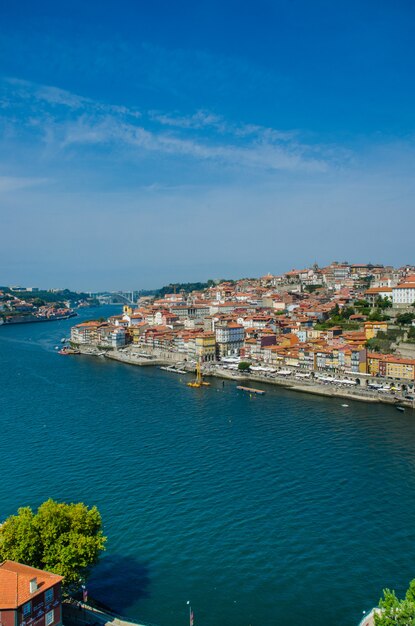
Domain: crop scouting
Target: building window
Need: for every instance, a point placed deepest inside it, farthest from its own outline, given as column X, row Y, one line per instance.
column 49, row 618
column 48, row 595
column 27, row 609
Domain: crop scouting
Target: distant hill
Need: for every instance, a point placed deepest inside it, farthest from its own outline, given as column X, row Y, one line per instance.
column 186, row 287
column 47, row 296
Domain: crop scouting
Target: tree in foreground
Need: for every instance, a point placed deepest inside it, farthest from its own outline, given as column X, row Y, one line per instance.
column 395, row 612
column 65, row 539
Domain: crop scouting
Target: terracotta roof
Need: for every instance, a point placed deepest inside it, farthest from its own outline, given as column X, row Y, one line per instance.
column 390, row 358
column 379, row 290
column 15, row 583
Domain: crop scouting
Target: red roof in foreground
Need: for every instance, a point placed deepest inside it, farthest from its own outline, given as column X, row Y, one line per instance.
column 15, row 583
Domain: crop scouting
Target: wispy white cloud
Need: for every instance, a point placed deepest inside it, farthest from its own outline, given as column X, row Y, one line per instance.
column 65, row 120
column 200, row 119
column 36, row 94
column 205, row 119
column 110, row 130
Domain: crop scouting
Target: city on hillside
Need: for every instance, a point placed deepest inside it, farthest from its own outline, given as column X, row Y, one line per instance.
column 341, row 319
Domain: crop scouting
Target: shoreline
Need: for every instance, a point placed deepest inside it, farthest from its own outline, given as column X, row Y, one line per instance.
column 38, row 321
column 311, row 387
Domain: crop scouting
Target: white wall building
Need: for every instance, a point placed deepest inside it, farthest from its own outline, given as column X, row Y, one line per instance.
column 229, row 338
column 403, row 294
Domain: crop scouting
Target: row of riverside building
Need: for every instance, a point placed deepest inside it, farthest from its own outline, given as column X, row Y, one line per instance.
column 272, row 320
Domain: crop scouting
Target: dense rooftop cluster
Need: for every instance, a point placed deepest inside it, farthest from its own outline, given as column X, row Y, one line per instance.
column 314, row 319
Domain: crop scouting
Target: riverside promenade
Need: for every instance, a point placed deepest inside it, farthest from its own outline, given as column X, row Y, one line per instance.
column 313, row 386
column 81, row 614
column 137, row 356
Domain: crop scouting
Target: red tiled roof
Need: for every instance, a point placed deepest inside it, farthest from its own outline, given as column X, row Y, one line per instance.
column 15, row 583
column 374, row 290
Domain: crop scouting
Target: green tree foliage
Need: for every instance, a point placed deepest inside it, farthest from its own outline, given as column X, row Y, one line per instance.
column 383, row 342
column 311, row 288
column 378, row 316
column 362, row 304
column 339, row 317
column 62, row 538
column 393, row 334
column 244, row 366
column 346, row 312
column 396, row 612
column 378, row 344
column 410, row 593
column 405, row 318
column 383, row 303
column 186, row 287
column 364, row 282
column 51, row 297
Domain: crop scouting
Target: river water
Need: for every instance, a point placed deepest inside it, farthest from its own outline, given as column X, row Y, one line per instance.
column 285, row 509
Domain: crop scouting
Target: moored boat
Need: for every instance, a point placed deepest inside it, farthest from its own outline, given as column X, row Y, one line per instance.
column 260, row 392
column 66, row 350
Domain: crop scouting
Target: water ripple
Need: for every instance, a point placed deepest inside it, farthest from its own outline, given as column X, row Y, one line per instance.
column 285, row 509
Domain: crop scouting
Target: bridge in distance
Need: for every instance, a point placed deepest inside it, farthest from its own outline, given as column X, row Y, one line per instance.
column 117, row 297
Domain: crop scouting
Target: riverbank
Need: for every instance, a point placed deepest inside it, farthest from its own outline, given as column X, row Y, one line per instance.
column 331, row 390
column 314, row 388
column 24, row 319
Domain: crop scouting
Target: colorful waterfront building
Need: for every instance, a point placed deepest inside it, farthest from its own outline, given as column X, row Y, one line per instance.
column 85, row 333
column 391, row 366
column 205, row 347
column 29, row 596
column 396, row 367
column 111, row 336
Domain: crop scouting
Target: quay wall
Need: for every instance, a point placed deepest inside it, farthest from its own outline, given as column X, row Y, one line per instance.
column 166, row 358
column 81, row 614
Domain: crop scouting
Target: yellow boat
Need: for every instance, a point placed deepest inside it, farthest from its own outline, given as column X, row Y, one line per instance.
column 198, row 382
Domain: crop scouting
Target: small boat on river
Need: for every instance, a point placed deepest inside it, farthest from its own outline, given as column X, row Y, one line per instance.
column 66, row 350
column 260, row 392
column 174, row 370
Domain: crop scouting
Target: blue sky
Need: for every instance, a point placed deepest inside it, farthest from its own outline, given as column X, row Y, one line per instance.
column 191, row 140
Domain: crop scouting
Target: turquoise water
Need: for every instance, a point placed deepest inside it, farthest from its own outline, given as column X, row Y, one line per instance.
column 285, row 509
